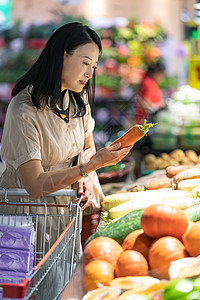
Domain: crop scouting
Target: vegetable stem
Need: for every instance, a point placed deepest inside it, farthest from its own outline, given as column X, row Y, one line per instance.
column 145, row 126
column 104, row 216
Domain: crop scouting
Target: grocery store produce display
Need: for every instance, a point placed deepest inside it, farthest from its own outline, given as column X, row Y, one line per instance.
column 151, row 251
column 174, row 158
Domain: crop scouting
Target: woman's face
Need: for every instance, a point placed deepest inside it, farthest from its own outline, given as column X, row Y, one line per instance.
column 78, row 67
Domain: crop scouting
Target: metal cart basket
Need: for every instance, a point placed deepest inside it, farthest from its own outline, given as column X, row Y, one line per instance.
column 53, row 264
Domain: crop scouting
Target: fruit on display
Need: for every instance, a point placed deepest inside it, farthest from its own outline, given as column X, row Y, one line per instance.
column 103, row 248
column 162, row 252
column 131, row 263
column 163, row 220
column 137, row 240
column 97, row 272
column 191, row 239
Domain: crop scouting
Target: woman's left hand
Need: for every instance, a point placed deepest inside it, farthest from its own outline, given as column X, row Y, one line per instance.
column 85, row 186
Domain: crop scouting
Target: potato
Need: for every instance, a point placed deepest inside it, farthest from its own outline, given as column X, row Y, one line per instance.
column 151, row 166
column 165, row 156
column 149, row 158
column 186, row 161
column 191, row 155
column 178, row 154
column 161, row 163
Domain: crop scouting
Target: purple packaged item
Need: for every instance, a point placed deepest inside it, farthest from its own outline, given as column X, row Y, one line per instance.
column 16, row 260
column 17, row 237
column 10, row 277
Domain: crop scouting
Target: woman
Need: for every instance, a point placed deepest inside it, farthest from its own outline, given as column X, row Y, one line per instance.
column 149, row 97
column 48, row 122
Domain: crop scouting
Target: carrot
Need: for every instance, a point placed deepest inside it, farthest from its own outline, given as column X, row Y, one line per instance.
column 158, row 184
column 133, row 135
column 192, row 173
column 172, row 171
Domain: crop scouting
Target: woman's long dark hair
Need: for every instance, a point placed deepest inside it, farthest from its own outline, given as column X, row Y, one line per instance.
column 45, row 74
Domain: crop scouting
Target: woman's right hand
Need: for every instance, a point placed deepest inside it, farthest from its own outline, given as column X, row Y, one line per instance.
column 110, row 155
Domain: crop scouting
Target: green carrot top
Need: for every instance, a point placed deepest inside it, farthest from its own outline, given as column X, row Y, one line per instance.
column 145, row 126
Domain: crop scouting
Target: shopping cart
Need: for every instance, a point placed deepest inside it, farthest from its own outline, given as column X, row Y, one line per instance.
column 53, row 264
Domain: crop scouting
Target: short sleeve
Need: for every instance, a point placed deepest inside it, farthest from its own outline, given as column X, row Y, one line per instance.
column 88, row 121
column 20, row 140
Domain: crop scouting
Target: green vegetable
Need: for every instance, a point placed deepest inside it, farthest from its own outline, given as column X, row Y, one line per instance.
column 196, row 195
column 178, row 289
column 182, row 289
column 145, row 126
column 193, row 213
column 119, row 229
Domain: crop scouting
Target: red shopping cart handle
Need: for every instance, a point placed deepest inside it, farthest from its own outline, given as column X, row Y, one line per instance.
column 14, row 290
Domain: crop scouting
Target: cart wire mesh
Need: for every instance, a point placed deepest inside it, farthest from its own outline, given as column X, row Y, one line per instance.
column 53, row 263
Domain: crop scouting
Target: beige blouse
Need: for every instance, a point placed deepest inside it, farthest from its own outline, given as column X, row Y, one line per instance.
column 30, row 133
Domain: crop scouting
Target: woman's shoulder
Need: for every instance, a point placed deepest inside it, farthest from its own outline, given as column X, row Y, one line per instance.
column 21, row 102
